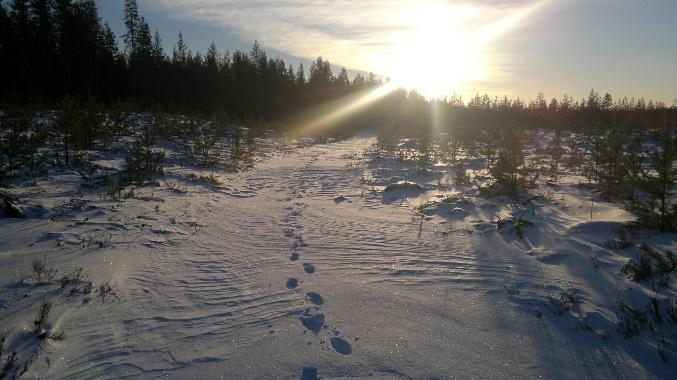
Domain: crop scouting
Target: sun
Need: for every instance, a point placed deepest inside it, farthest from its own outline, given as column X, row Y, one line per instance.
column 440, row 47
column 435, row 56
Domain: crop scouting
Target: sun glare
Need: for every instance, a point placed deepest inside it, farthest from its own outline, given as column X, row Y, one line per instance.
column 442, row 47
column 438, row 41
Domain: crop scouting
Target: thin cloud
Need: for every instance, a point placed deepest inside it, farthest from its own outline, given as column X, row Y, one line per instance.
column 358, row 34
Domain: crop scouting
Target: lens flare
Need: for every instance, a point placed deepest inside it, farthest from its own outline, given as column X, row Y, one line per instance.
column 327, row 115
column 440, row 51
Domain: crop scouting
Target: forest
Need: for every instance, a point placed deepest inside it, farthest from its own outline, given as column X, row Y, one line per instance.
column 52, row 49
column 59, row 55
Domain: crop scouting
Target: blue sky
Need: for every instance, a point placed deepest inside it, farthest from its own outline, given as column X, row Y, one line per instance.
column 625, row 47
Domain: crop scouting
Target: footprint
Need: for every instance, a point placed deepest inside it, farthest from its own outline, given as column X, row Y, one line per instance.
column 292, row 283
column 309, row 373
column 300, row 243
column 315, row 298
column 313, row 323
column 309, row 268
column 294, row 256
column 341, row 346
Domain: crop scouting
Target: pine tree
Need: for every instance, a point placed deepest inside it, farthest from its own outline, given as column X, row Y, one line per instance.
column 358, row 82
column 21, row 17
column 144, row 164
column 21, row 32
column 144, row 42
column 14, row 123
column 91, row 120
column 556, row 151
column 655, row 184
column 507, row 170
column 610, row 169
column 212, row 58
column 109, row 44
column 342, row 79
column 65, row 32
column 68, row 126
column 259, row 58
column 489, row 146
column 5, row 39
column 87, row 40
column 43, row 37
column 320, row 73
column 204, row 144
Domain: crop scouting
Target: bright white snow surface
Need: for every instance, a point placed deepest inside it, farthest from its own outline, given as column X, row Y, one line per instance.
column 304, row 263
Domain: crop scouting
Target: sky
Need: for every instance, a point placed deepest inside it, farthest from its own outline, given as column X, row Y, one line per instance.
column 500, row 47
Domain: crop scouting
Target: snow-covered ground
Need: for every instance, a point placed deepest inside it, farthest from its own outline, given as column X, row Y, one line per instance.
column 303, row 266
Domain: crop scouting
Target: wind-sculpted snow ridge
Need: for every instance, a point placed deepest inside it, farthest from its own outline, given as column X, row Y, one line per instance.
column 328, row 261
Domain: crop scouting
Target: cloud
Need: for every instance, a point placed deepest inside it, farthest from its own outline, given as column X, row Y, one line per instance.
column 358, row 34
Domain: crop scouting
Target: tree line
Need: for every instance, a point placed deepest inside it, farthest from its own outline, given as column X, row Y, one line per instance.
column 53, row 48
column 59, row 55
column 50, row 49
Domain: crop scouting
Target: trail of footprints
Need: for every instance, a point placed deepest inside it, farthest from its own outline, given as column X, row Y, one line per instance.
column 312, row 319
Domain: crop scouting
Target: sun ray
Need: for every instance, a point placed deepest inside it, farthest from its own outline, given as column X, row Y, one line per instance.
column 325, row 116
column 453, row 54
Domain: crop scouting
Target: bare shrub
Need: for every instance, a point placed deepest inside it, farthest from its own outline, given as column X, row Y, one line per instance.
column 77, row 283
column 622, row 240
column 560, row 303
column 518, row 224
column 109, row 292
column 630, row 320
column 114, row 190
column 175, row 187
column 40, row 272
column 672, row 313
column 10, row 362
column 211, row 179
column 594, row 261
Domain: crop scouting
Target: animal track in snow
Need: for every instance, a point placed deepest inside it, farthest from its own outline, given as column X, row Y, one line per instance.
column 315, row 298
column 309, row 268
column 341, row 346
column 292, row 283
column 309, row 373
column 313, row 322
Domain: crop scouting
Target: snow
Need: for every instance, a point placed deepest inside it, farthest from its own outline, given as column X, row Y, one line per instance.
column 307, row 264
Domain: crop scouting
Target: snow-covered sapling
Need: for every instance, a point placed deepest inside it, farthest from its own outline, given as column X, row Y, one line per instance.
column 41, row 324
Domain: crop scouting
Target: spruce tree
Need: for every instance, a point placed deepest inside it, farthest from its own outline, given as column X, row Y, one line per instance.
column 158, row 51
column 301, row 75
column 179, row 55
column 131, row 19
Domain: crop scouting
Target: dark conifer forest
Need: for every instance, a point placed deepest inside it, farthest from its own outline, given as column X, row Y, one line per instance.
column 51, row 49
